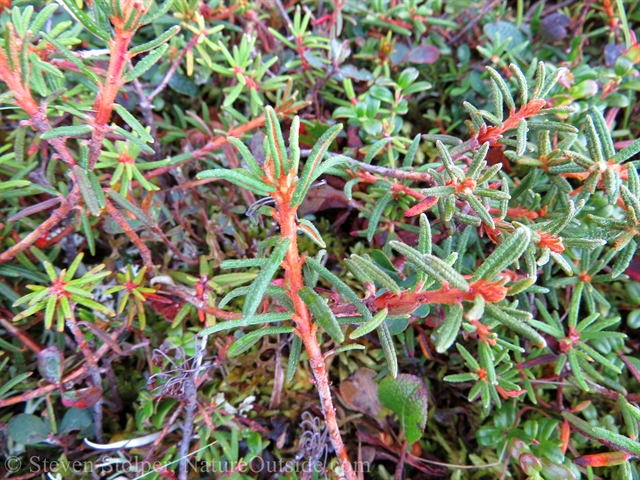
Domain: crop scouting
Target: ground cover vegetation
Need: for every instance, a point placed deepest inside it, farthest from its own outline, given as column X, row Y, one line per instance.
column 350, row 239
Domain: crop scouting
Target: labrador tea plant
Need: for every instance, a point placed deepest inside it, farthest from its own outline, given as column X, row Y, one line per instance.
column 509, row 276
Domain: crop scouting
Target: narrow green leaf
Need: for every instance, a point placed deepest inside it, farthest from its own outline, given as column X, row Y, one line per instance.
column 411, row 152
column 375, row 149
column 574, row 306
column 376, row 213
column 424, row 238
column 317, row 153
column 468, row 357
column 447, row 160
column 260, row 284
column 620, row 440
column 309, row 229
column 86, row 189
column 42, row 17
column 509, row 250
column 294, row 358
column 603, row 132
column 593, row 141
column 376, row 274
column 64, row 51
column 388, row 348
column 447, row 332
column 11, row 184
column 369, row 326
column 432, row 266
column 627, row 152
column 276, row 141
column 595, row 355
column 504, row 88
column 478, row 207
column 245, row 343
column 72, row 131
column 245, row 322
column 461, row 378
column 294, row 145
column 241, row 178
column 576, row 370
column 18, row 145
column 522, row 137
column 522, row 83
column 340, row 285
column 85, row 20
column 132, row 122
column 146, row 63
column 238, row 292
column 623, row 259
column 346, row 348
column 6, row 388
column 243, row 263
column 516, row 325
column 88, row 232
column 248, row 157
column 131, row 208
column 322, row 314
column 152, row 17
column 485, row 359
column 145, row 47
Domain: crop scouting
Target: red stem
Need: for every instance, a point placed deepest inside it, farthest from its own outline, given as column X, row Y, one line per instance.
column 286, row 217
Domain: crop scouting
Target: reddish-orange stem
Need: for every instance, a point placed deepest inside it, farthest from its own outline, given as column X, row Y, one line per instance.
column 408, row 302
column 56, row 217
column 493, row 134
column 133, row 236
column 286, row 217
column 107, row 95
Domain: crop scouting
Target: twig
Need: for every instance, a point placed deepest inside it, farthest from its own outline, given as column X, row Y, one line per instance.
column 56, row 217
column 174, row 66
column 285, row 15
column 476, row 18
column 133, row 236
column 631, row 366
column 94, row 372
column 163, row 432
column 191, row 393
column 307, row 330
column 70, row 377
column 286, row 108
column 146, row 108
column 201, row 304
column 408, row 174
column 118, row 58
column 400, row 467
column 26, row 339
